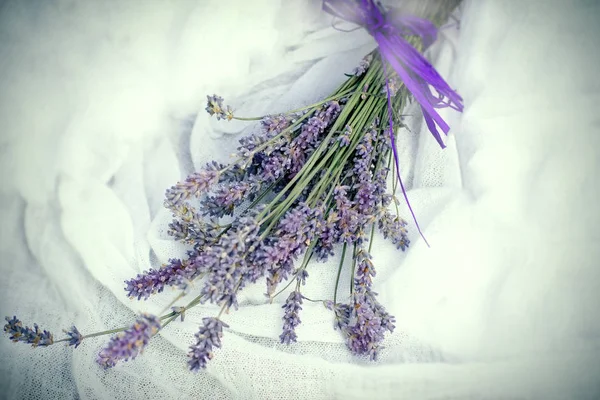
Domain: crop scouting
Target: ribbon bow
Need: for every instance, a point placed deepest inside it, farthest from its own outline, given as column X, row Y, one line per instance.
column 416, row 72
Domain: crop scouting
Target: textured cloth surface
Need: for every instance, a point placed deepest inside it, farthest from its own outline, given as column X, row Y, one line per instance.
column 102, row 109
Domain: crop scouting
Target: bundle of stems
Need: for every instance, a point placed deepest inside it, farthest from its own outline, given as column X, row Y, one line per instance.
column 311, row 181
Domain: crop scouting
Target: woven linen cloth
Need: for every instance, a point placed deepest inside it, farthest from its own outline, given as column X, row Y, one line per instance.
column 102, row 109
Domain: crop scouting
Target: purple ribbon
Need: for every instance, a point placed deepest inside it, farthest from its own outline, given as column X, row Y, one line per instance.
column 416, row 72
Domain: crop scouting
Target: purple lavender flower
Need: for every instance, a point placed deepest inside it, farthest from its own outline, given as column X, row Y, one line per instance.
column 154, row 280
column 292, row 308
column 227, row 261
column 365, row 197
column 301, row 276
column 362, row 159
column 282, row 157
column 274, row 166
column 75, row 337
column 273, row 125
column 227, row 114
column 394, row 83
column 349, row 219
column 329, row 236
column 208, row 337
column 230, row 195
column 342, row 315
column 380, row 182
column 363, row 322
column 127, row 345
column 386, row 320
column 297, row 157
column 194, row 185
column 214, row 106
column 34, row 336
column 363, row 66
column 344, row 138
column 394, row 228
column 295, row 231
column 365, row 270
column 248, row 144
column 191, row 229
column 310, row 134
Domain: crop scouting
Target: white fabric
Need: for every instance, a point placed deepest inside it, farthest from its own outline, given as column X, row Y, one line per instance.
column 98, row 100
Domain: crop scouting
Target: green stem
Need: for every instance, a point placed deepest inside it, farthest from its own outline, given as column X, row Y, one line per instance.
column 353, row 269
column 337, row 279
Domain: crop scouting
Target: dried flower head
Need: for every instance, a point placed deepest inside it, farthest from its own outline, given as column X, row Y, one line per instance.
column 75, row 337
column 127, row 345
column 291, row 320
column 214, row 106
column 208, row 338
column 363, row 66
column 363, row 322
column 34, row 336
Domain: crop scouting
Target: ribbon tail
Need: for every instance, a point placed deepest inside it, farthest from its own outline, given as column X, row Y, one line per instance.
column 419, row 65
column 433, row 129
column 391, row 56
column 395, row 153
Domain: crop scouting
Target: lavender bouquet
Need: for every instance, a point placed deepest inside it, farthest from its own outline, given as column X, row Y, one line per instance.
column 310, row 182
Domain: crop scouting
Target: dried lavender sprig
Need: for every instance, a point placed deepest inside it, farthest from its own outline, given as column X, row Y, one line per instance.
column 18, row 333
column 175, row 273
column 214, row 106
column 226, row 261
column 300, row 274
column 35, row 336
column 342, row 92
column 208, row 338
column 194, row 185
column 294, row 235
column 363, row 321
column 129, row 344
column 291, row 320
column 363, row 66
column 394, row 228
column 189, row 227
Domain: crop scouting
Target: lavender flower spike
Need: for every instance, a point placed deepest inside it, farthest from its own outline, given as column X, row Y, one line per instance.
column 34, row 336
column 75, row 337
column 292, row 308
column 363, row 66
column 155, row 280
column 214, row 106
column 208, row 337
column 394, row 228
column 194, row 185
column 130, row 343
